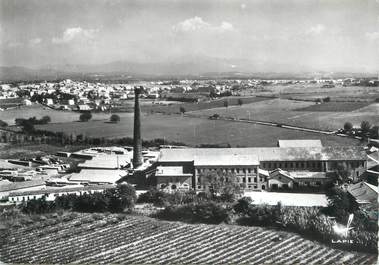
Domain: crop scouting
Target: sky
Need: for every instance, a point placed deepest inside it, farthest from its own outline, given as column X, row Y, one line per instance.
column 311, row 34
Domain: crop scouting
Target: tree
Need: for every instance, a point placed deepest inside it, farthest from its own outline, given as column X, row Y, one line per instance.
column 240, row 102
column 120, row 198
column 3, row 124
column 348, row 126
column 375, row 132
column 226, row 104
column 340, row 204
column 86, row 116
column 343, row 173
column 45, row 119
column 242, row 206
column 182, row 110
column 115, row 118
column 221, row 184
column 365, row 126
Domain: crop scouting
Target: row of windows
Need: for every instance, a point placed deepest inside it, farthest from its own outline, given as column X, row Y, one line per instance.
column 23, row 198
column 239, row 179
column 284, row 165
column 308, row 164
column 230, row 170
column 263, row 187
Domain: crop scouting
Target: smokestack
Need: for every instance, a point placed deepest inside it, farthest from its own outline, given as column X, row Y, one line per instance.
column 137, row 147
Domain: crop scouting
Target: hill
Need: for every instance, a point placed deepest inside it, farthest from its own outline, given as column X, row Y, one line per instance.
column 124, row 239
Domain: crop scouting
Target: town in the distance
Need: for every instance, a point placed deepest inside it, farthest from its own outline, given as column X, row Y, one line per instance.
column 301, row 155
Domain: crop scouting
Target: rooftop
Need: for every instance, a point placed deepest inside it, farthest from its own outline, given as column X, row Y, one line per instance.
column 229, row 159
column 308, row 174
column 266, row 153
column 98, row 175
column 361, row 192
column 4, row 164
column 59, row 190
column 21, row 185
column 106, row 161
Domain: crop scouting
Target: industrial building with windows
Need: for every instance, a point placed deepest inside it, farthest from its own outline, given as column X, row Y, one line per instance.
column 254, row 167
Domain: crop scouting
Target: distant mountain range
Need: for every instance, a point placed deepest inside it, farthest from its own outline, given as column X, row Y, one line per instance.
column 195, row 67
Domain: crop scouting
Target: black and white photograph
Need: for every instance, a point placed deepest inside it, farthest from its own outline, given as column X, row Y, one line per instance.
column 189, row 132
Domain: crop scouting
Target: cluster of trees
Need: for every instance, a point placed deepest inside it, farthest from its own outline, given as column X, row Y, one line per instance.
column 3, row 123
column 163, row 199
column 28, row 124
column 86, row 116
column 366, row 129
column 115, row 200
column 213, row 94
column 313, row 222
column 40, row 98
column 60, row 138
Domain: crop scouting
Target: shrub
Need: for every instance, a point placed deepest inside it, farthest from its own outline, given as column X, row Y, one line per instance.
column 365, row 126
column 161, row 199
column 86, row 116
column 3, row 124
column 115, row 118
column 45, row 119
column 38, row 206
column 208, row 212
column 348, row 126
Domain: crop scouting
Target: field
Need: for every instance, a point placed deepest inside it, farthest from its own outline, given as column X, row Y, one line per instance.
column 337, row 106
column 117, row 239
column 288, row 112
column 193, row 131
column 315, row 91
column 217, row 103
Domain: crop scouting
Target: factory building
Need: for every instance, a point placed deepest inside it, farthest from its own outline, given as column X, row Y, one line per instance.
column 253, row 167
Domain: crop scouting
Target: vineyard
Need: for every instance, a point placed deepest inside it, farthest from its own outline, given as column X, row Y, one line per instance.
column 111, row 239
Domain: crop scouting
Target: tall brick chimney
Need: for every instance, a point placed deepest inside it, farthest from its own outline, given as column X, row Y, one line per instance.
column 137, row 142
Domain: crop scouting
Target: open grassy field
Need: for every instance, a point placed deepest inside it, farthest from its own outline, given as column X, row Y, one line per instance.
column 288, row 112
column 217, row 103
column 121, row 239
column 315, row 91
column 193, row 131
column 337, row 106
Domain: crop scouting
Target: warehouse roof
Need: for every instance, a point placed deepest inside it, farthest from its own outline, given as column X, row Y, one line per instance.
column 63, row 190
column 299, row 143
column 98, row 176
column 4, row 164
column 364, row 192
column 308, row 174
column 266, row 153
column 106, row 161
column 21, row 185
column 228, row 159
